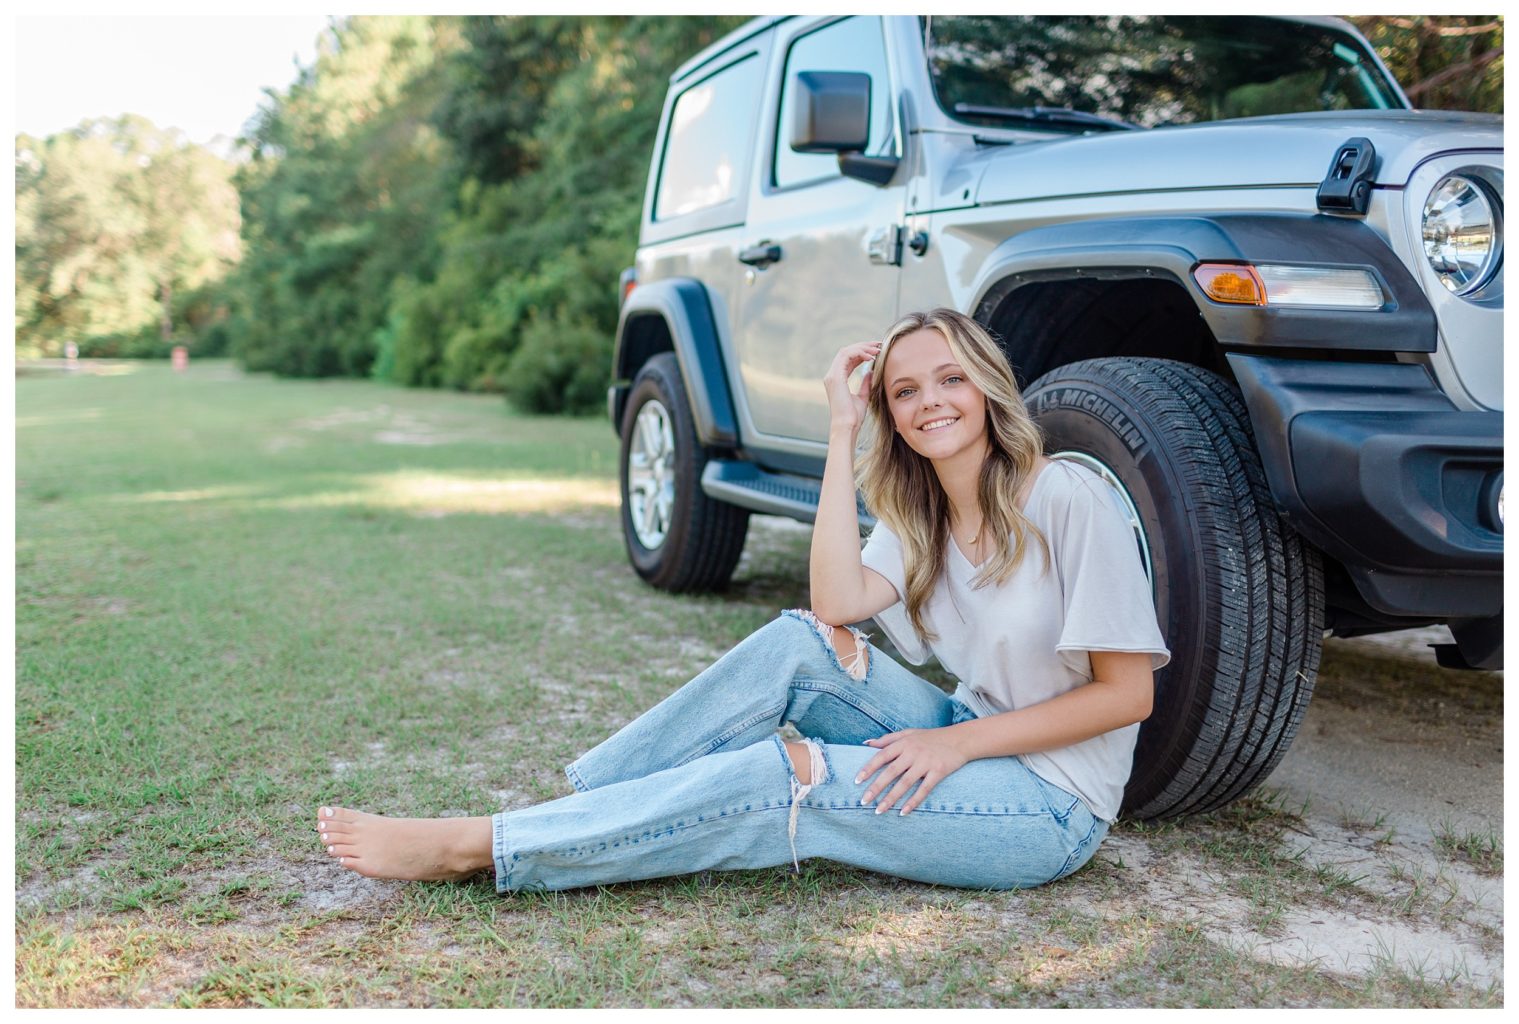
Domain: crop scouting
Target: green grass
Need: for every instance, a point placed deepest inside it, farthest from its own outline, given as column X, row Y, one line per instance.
column 239, row 598
column 1482, row 850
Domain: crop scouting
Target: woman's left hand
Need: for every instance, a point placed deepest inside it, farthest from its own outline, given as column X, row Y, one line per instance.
column 923, row 756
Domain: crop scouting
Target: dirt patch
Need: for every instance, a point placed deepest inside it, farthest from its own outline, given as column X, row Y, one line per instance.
column 340, row 889
column 279, row 443
column 1345, row 909
column 383, row 424
column 66, row 367
column 345, row 417
column 1358, row 868
column 412, row 437
column 1391, row 737
column 38, row 892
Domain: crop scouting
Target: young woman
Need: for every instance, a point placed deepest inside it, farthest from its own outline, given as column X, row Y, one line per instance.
column 1019, row 573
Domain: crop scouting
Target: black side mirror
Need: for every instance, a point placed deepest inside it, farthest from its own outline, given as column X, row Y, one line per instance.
column 831, row 114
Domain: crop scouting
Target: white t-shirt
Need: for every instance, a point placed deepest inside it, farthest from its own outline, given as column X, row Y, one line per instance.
column 1026, row 640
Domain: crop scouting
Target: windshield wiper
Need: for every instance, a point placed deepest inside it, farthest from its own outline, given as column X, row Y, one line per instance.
column 1047, row 115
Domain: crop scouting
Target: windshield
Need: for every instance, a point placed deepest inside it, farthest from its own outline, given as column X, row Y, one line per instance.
column 1147, row 70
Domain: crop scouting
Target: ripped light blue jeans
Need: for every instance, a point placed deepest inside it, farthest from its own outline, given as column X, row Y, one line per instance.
column 702, row 781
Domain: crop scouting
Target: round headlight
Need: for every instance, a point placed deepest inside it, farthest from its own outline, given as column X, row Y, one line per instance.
column 1461, row 237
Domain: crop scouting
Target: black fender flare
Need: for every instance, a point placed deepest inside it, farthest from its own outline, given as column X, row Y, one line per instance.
column 684, row 307
column 1170, row 247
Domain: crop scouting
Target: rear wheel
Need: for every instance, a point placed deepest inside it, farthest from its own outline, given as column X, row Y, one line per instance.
column 1239, row 595
column 677, row 538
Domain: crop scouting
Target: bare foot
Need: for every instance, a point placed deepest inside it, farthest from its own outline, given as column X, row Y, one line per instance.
column 415, row 849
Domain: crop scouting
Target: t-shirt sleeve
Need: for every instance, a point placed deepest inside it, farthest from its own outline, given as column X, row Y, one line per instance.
column 883, row 553
column 1107, row 601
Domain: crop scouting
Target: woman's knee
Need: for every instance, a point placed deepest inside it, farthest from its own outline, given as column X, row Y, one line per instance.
column 850, row 647
column 801, row 761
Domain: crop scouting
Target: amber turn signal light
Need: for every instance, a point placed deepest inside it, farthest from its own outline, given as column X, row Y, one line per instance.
column 1231, row 282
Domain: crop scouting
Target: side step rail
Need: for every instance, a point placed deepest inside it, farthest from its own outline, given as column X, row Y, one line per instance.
column 779, row 494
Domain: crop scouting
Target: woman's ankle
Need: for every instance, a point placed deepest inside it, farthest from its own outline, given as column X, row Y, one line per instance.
column 470, row 845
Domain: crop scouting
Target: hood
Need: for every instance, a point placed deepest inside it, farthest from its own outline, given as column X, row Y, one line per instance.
column 1289, row 149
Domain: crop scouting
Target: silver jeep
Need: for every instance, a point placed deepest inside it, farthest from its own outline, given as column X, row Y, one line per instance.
column 1234, row 271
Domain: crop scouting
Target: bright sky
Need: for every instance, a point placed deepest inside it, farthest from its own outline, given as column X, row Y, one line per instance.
column 203, row 74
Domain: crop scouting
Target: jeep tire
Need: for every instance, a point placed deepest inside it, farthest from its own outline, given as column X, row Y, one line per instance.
column 1239, row 595
column 678, row 539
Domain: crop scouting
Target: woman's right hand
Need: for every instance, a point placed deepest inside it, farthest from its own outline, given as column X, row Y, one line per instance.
column 845, row 408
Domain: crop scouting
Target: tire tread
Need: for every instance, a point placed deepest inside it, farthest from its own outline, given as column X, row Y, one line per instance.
column 1264, row 600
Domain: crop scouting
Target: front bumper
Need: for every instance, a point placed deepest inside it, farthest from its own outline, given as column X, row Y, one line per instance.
column 1375, row 466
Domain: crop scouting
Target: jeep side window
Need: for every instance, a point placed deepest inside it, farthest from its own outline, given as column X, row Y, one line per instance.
column 853, row 44
column 709, row 141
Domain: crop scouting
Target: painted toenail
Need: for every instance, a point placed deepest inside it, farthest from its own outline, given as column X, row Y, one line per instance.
column 329, row 849
column 327, row 812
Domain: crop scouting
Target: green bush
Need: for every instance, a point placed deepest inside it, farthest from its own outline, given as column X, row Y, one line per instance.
column 413, row 333
column 214, row 340
column 562, row 365
column 143, row 344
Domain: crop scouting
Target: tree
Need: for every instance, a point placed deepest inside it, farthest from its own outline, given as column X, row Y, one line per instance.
column 1444, row 62
column 523, row 298
column 346, row 182
column 498, row 84
column 115, row 219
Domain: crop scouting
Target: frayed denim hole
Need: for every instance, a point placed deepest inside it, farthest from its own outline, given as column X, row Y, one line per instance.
column 827, row 764
column 820, row 629
column 864, row 650
column 824, row 633
column 821, row 754
column 861, row 651
column 780, row 748
column 818, row 765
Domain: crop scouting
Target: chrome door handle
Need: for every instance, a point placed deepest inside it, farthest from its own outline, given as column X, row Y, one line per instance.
column 884, row 246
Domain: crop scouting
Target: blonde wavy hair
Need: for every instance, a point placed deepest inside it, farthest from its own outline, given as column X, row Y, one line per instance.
column 902, row 490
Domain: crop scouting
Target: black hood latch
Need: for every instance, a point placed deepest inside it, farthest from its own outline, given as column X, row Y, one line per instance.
column 1347, row 186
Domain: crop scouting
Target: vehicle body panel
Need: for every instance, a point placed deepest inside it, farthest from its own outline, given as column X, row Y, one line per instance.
column 794, row 314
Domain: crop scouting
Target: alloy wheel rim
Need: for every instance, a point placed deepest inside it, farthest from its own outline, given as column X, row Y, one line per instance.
column 651, row 474
column 1130, row 509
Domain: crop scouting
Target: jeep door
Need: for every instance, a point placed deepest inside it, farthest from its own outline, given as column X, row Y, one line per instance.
column 698, row 182
column 837, row 240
